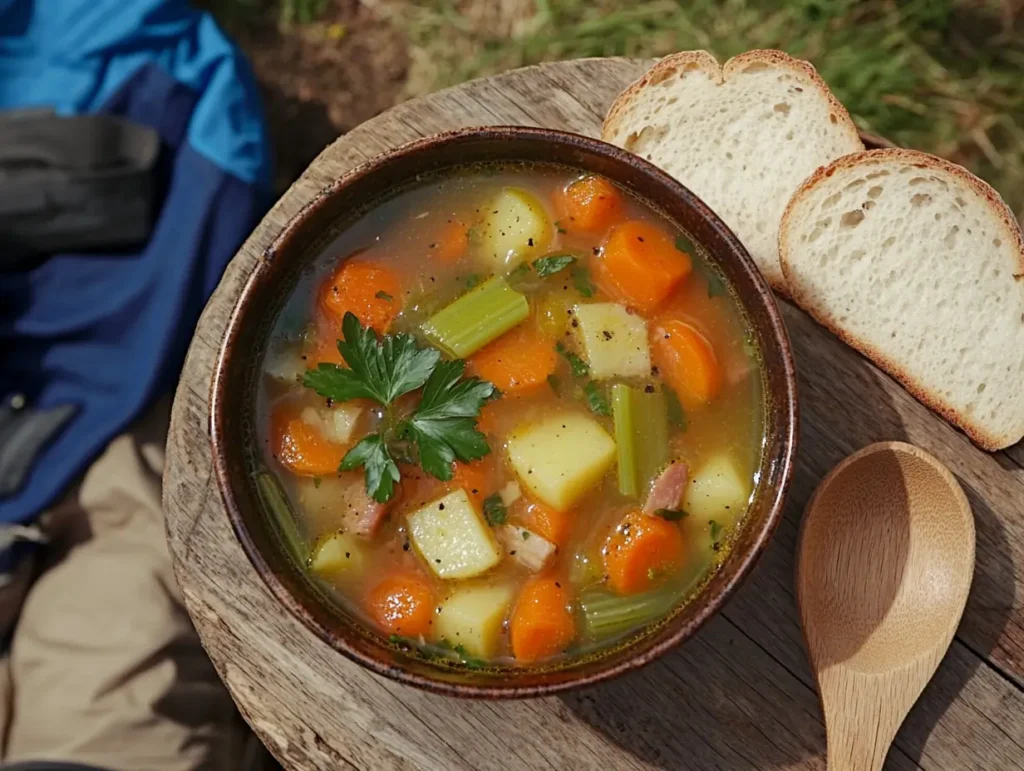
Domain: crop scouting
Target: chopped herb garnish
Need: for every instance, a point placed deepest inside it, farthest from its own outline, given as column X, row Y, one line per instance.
column 553, row 382
column 440, row 429
column 525, row 534
column 685, row 245
column 494, row 510
column 519, row 271
column 382, row 295
column 472, row 280
column 676, row 414
column 596, row 399
column 578, row 366
column 672, row 515
column 470, row 661
column 715, row 529
column 549, row 266
column 316, row 482
column 558, row 226
column 716, row 286
column 581, row 280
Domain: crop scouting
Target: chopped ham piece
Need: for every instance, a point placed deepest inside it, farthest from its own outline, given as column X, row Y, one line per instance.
column 361, row 514
column 668, row 488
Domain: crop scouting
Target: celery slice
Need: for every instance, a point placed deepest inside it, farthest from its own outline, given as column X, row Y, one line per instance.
column 481, row 315
column 283, row 517
column 641, row 435
column 607, row 615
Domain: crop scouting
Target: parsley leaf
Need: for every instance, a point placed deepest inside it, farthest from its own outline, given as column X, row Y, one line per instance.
column 559, row 228
column 444, row 424
column 596, row 399
column 676, row 414
column 472, row 280
column 581, row 280
column 381, row 370
column 441, row 429
column 494, row 510
column 553, row 382
column 382, row 295
column 579, row 367
column 549, row 266
column 672, row 515
column 371, row 452
column 715, row 529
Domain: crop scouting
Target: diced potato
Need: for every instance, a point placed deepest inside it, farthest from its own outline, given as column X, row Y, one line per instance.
column 515, row 228
column 472, row 616
column 338, row 555
column 532, row 551
column 510, row 493
column 717, row 491
column 336, row 424
column 453, row 538
column 614, row 340
column 285, row 363
column 562, row 457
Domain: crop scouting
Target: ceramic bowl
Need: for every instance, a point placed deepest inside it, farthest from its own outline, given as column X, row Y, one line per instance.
column 265, row 538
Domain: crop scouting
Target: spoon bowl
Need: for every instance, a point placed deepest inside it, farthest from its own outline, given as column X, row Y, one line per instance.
column 884, row 567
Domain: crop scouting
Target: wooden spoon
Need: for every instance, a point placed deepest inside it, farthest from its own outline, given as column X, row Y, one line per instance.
column 883, row 570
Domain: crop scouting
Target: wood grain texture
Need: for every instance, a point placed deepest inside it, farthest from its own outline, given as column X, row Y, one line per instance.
column 738, row 696
column 884, row 567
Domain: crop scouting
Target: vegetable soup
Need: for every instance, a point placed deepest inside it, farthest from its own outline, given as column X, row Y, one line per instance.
column 515, row 413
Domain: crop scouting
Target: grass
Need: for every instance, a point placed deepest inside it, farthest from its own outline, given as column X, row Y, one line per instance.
column 938, row 75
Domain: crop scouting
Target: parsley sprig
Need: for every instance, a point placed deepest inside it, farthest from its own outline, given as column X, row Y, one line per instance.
column 442, row 427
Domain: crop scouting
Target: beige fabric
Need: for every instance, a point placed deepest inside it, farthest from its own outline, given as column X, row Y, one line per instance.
column 105, row 667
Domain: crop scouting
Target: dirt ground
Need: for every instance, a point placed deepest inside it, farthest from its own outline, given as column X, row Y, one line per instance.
column 319, row 80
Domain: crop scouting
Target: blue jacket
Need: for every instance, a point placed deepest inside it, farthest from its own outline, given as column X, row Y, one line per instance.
column 108, row 332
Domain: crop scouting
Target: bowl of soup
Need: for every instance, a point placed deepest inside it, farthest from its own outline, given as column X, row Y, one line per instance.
column 503, row 412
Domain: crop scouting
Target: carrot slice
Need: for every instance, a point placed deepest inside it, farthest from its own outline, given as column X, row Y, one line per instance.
column 402, row 604
column 450, row 243
column 476, row 478
column 639, row 551
column 299, row 445
column 325, row 349
column 517, row 361
column 542, row 624
column 371, row 291
column 552, row 525
column 640, row 265
column 687, row 361
column 591, row 204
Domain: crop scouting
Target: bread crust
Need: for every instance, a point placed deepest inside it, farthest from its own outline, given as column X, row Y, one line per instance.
column 983, row 438
column 719, row 73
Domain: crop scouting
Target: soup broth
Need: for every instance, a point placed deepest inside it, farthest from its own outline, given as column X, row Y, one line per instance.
column 550, row 435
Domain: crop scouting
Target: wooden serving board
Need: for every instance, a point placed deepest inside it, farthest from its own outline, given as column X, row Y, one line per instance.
column 738, row 696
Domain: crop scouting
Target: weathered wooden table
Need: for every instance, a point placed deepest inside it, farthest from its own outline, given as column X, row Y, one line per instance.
column 738, row 696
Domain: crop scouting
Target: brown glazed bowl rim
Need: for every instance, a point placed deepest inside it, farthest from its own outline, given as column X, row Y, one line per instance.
column 783, row 404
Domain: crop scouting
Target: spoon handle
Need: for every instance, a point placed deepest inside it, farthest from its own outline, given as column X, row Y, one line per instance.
column 856, row 755
column 860, row 727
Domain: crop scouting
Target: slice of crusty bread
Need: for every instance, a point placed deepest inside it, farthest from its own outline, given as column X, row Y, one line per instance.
column 920, row 265
column 742, row 137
